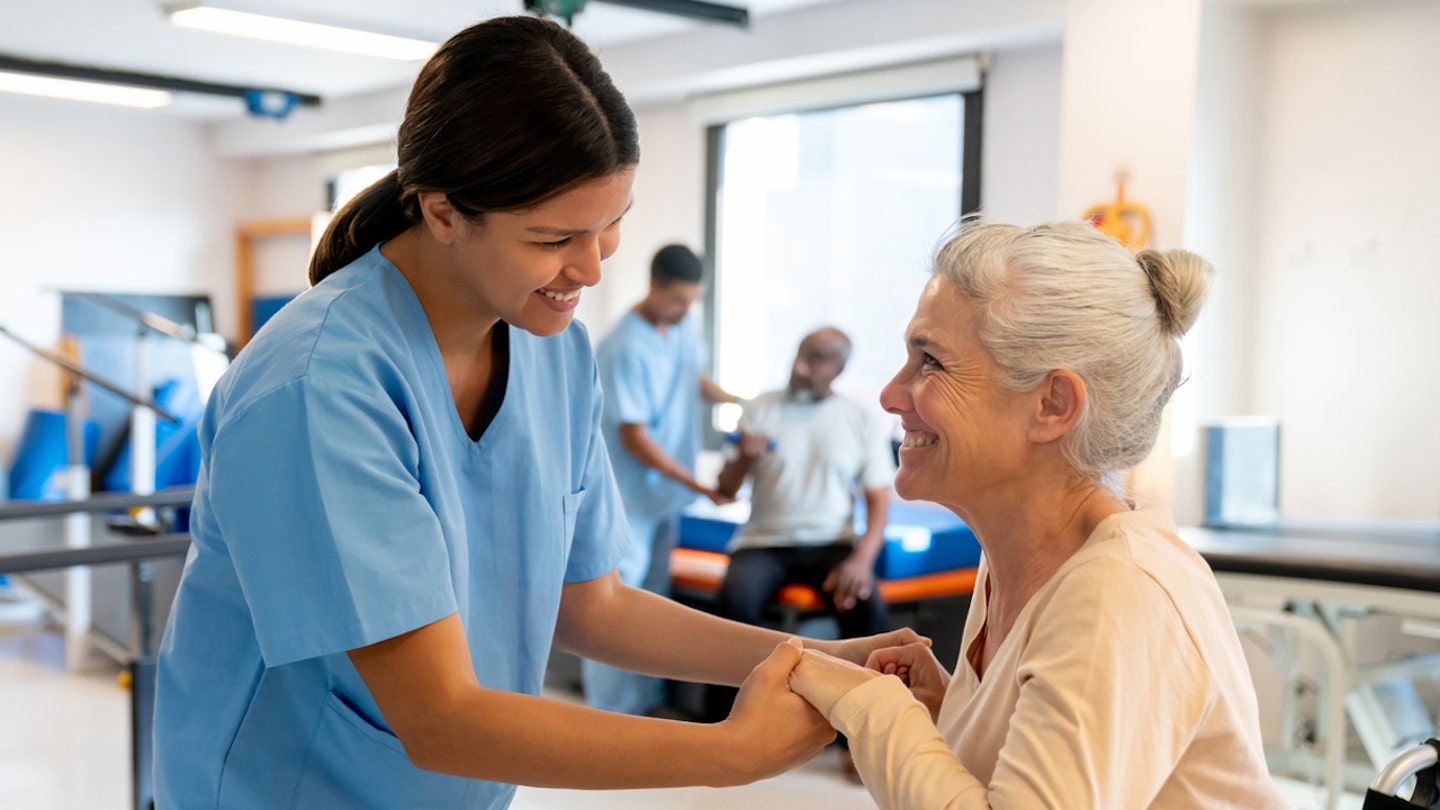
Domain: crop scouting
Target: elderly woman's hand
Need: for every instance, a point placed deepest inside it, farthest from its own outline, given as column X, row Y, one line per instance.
column 824, row 679
column 917, row 667
column 857, row 650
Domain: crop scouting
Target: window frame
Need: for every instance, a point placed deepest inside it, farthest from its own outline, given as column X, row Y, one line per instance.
column 972, row 106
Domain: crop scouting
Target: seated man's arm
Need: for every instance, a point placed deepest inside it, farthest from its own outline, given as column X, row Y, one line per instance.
column 750, row 447
column 854, row 579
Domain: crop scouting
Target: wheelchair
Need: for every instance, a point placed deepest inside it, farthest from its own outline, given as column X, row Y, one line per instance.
column 1419, row 762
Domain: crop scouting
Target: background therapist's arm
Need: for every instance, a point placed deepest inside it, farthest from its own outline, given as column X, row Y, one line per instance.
column 637, row 442
column 711, row 392
column 424, row 683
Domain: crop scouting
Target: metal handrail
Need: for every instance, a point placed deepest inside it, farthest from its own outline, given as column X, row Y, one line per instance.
column 77, row 370
column 164, row 545
column 177, row 496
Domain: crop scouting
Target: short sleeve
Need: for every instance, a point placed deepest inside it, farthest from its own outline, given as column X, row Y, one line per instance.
column 699, row 349
column 602, row 533
column 316, row 493
column 623, row 378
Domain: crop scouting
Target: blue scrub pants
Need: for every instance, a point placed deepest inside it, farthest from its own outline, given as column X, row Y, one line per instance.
column 646, row 565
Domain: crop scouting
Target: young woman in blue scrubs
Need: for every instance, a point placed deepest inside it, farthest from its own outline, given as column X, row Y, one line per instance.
column 405, row 497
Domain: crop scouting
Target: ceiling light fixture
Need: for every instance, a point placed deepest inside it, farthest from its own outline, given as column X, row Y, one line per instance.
column 84, row 83
column 75, row 90
column 694, row 9
column 207, row 16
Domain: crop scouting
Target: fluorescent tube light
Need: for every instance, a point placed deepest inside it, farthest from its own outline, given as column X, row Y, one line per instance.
column 101, row 92
column 296, row 32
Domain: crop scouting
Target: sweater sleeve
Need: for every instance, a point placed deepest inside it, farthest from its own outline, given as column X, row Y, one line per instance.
column 899, row 753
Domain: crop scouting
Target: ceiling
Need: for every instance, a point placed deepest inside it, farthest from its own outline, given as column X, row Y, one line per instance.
column 135, row 35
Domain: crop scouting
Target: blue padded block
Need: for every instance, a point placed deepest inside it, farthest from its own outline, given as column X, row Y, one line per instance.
column 41, row 453
column 177, row 445
column 705, row 533
column 922, row 538
column 263, row 308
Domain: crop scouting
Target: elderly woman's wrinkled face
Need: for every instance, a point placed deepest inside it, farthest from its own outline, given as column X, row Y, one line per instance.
column 964, row 433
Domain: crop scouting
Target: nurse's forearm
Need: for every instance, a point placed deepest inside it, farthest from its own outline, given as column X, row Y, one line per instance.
column 520, row 739
column 425, row 685
column 637, row 630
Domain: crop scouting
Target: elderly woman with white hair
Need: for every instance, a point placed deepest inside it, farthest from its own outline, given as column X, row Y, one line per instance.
column 1099, row 667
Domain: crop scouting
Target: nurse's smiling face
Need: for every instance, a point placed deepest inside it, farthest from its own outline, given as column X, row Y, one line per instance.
column 528, row 267
column 965, row 434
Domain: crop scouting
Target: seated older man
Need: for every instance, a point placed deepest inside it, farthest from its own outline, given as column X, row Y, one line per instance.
column 807, row 450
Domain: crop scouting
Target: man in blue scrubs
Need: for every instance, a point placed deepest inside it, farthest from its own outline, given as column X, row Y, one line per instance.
column 650, row 370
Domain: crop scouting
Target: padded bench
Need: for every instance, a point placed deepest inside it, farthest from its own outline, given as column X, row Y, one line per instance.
column 696, row 575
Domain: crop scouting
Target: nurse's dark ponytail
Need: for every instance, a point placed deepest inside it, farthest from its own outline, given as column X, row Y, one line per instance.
column 505, row 115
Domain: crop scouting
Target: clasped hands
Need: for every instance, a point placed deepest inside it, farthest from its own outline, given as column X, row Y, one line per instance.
column 786, row 701
column 823, row 679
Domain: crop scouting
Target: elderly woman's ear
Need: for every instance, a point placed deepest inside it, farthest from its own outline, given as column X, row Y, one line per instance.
column 1059, row 401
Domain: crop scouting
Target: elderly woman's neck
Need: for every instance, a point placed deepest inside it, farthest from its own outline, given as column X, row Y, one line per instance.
column 1028, row 539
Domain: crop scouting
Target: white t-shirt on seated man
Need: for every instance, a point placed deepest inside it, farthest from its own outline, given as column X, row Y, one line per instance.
column 806, row 449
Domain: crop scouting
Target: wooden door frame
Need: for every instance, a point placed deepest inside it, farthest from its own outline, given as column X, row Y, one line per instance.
column 246, row 234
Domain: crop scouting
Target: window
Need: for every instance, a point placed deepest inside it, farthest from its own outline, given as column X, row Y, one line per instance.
column 831, row 218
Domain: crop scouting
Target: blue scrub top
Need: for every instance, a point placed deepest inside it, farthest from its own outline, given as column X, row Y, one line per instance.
column 652, row 379
column 340, row 503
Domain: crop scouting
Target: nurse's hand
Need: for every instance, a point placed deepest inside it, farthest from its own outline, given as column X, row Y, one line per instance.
column 917, row 667
column 824, row 679
column 771, row 729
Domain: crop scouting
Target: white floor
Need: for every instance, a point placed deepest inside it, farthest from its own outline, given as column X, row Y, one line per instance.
column 64, row 745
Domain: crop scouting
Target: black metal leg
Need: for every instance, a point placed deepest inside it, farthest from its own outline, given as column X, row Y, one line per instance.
column 142, row 709
column 142, row 685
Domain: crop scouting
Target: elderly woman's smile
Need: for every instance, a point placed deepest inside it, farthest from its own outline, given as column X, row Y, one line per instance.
column 916, row 438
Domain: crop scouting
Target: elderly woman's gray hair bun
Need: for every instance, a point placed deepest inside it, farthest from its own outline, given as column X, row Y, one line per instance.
column 1177, row 280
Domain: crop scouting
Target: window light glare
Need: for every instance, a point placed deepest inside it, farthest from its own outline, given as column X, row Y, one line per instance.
column 295, row 32
column 76, row 90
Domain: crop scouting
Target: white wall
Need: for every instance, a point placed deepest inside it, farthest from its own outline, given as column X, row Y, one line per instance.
column 100, row 198
column 1221, row 224
column 1020, row 160
column 1346, row 329
column 1019, row 172
column 1126, row 100
column 669, row 207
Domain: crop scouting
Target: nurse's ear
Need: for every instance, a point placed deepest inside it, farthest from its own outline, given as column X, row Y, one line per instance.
column 441, row 219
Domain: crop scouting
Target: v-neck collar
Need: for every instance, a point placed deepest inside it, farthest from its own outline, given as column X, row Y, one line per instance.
column 428, row 352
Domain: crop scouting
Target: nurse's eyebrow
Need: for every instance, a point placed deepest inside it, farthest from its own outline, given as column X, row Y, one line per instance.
column 549, row 231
